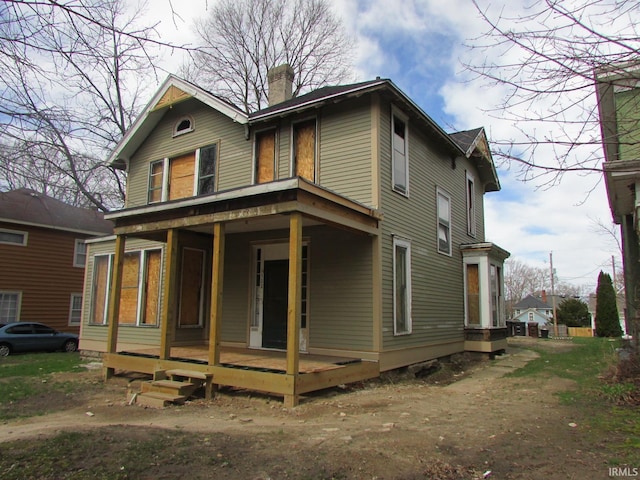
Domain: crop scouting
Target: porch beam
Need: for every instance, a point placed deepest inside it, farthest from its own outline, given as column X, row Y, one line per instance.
column 113, row 312
column 217, row 275
column 294, row 302
column 167, row 320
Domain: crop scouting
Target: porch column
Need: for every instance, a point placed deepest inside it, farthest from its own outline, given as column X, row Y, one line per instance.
column 167, row 321
column 113, row 314
column 217, row 273
column 294, row 303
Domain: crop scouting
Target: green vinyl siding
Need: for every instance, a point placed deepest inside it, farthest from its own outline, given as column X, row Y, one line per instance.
column 236, row 303
column 437, row 280
column 628, row 116
column 148, row 335
column 283, row 167
column 345, row 149
column 341, row 290
column 210, row 126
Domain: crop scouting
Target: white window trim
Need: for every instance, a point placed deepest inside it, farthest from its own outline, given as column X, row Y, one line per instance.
column 395, row 112
column 25, row 237
column 401, row 242
column 164, row 193
column 292, row 166
column 177, row 133
column 79, row 241
column 19, row 301
column 71, row 322
column 471, row 204
column 440, row 192
column 196, row 173
column 107, row 295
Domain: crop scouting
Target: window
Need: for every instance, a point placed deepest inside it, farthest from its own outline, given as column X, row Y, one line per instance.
column 75, row 309
column 183, row 125
column 9, row 307
column 495, row 272
column 531, row 316
column 207, row 160
column 400, row 153
column 156, row 181
column 265, row 155
column 304, row 150
column 471, row 206
column 100, row 289
column 13, row 237
column 473, row 294
column 444, row 222
column 401, row 286
column 80, row 254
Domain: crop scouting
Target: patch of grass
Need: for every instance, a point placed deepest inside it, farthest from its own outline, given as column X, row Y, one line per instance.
column 39, row 364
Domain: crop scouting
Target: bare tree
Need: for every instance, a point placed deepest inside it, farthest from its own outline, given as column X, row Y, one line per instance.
column 544, row 60
column 521, row 280
column 73, row 77
column 242, row 39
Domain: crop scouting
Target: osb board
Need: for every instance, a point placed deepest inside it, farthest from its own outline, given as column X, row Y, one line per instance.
column 171, row 96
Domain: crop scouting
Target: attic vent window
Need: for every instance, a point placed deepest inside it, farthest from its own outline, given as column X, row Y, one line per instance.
column 184, row 125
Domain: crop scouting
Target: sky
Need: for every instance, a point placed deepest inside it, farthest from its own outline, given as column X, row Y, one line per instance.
column 421, row 46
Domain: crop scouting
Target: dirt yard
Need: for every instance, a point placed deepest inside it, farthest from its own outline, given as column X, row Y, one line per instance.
column 481, row 425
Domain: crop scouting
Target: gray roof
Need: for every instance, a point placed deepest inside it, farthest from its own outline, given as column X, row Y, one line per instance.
column 28, row 207
column 531, row 302
column 466, row 138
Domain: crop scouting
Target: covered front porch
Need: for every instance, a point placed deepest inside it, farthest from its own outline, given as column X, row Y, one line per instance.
column 286, row 207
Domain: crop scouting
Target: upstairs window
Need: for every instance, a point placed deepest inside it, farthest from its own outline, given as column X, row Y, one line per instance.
column 444, row 222
column 400, row 153
column 80, row 254
column 265, row 156
column 207, row 163
column 13, row 237
column 183, row 125
column 156, row 181
column 471, row 205
column 304, row 150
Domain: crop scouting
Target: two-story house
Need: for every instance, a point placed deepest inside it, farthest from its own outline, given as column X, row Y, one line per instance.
column 316, row 242
column 618, row 92
column 43, row 255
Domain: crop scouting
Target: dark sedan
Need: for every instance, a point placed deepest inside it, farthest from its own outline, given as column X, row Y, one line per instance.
column 31, row 336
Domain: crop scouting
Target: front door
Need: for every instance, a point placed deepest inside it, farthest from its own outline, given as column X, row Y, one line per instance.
column 274, row 313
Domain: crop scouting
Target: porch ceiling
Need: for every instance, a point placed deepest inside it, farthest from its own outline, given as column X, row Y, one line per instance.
column 254, row 208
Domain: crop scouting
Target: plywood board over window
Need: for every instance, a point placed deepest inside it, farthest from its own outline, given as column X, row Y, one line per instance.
column 181, row 176
column 304, row 149
column 152, row 288
column 191, row 287
column 129, row 292
column 473, row 295
column 265, row 156
column 100, row 288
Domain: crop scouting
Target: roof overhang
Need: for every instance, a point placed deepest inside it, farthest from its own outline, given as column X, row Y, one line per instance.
column 622, row 179
column 172, row 91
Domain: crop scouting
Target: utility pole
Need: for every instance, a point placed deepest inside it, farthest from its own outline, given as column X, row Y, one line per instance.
column 553, row 297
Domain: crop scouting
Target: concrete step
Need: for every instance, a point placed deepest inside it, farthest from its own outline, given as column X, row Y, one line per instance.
column 158, row 399
column 170, row 386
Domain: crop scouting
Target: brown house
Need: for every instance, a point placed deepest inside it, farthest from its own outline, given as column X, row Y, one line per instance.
column 42, row 258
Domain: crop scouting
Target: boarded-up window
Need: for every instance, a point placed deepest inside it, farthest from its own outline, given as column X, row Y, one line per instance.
column 156, row 177
column 152, row 288
column 207, row 171
column 130, row 288
column 473, row 295
column 304, row 149
column 265, row 156
column 100, row 289
column 191, row 287
column 181, row 176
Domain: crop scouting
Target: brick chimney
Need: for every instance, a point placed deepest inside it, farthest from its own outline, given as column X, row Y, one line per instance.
column 280, row 83
column 544, row 296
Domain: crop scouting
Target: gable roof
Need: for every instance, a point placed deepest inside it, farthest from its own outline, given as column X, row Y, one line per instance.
column 28, row 207
column 531, row 302
column 474, row 144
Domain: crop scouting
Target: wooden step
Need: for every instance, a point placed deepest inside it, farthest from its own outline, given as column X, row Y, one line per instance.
column 158, row 399
column 203, row 378
column 169, row 386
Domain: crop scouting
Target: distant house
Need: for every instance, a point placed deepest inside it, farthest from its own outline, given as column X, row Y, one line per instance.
column 620, row 303
column 42, row 258
column 618, row 91
column 319, row 241
column 533, row 310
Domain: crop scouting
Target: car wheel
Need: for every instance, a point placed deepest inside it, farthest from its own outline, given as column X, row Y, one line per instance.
column 5, row 350
column 70, row 346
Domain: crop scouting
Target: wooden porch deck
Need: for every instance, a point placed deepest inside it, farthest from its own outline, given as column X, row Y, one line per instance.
column 258, row 370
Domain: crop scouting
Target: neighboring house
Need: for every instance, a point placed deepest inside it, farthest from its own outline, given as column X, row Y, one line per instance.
column 343, row 226
column 620, row 303
column 533, row 310
column 618, row 91
column 43, row 255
